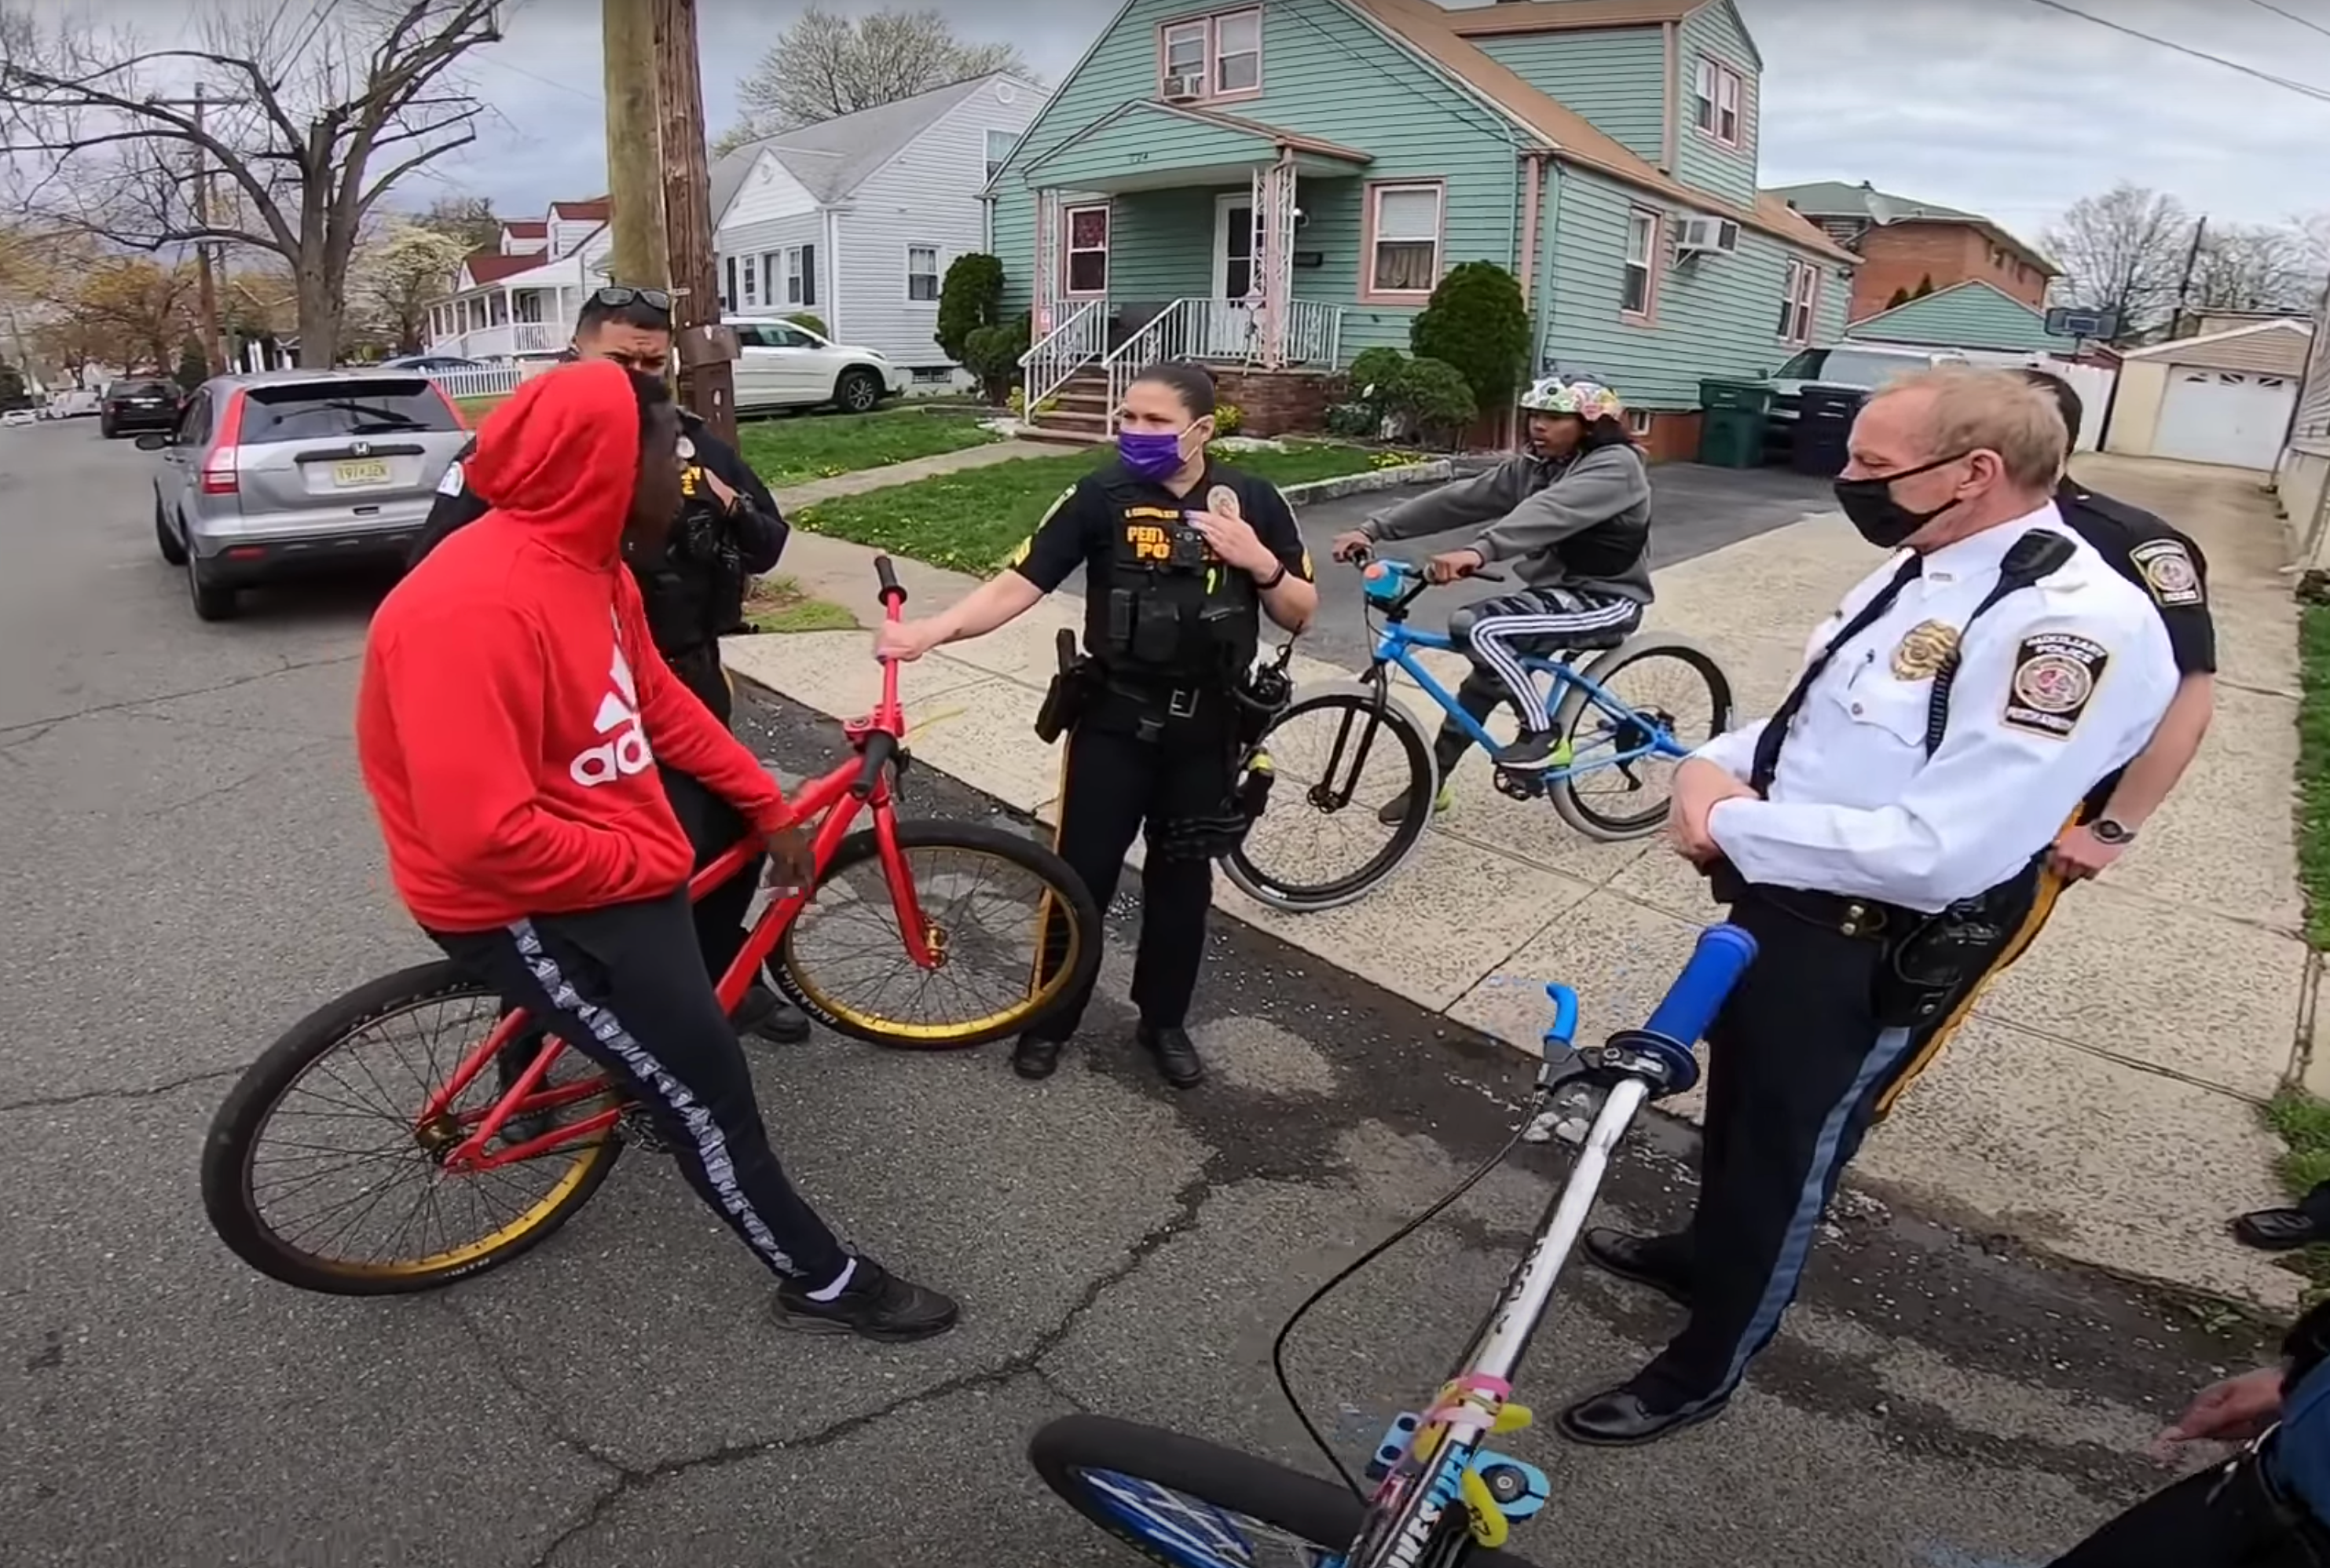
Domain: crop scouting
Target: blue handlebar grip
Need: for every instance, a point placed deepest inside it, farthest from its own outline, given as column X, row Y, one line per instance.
column 1722, row 956
column 1563, row 1027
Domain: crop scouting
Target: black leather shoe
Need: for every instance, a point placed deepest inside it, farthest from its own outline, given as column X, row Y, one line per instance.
column 2279, row 1230
column 1627, row 1417
column 1661, row 1262
column 1178, row 1062
column 769, row 1016
column 1034, row 1058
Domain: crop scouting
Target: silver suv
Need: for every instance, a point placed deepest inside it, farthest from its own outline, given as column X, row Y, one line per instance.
column 271, row 475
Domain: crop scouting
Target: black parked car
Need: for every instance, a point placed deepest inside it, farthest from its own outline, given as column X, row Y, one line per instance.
column 138, row 405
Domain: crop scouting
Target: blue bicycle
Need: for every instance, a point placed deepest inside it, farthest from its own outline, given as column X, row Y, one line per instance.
column 1608, row 782
column 1435, row 1494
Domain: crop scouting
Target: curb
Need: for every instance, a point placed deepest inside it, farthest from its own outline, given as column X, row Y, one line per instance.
column 1432, row 472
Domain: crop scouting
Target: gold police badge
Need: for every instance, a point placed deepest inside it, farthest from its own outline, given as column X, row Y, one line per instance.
column 1923, row 650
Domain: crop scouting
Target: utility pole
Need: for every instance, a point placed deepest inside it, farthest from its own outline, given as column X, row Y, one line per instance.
column 641, row 258
column 2191, row 266
column 206, row 281
column 707, row 377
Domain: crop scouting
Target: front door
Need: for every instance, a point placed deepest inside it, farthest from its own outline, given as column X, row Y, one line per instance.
column 1229, row 324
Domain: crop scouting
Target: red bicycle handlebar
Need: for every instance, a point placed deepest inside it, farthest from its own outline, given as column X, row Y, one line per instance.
column 894, row 595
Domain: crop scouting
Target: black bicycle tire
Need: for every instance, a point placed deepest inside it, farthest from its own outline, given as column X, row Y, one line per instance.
column 1381, row 714
column 240, row 1117
column 1576, row 701
column 1320, row 1511
column 1058, row 877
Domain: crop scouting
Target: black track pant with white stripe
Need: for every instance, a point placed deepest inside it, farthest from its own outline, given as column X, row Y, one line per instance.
column 626, row 985
column 1535, row 623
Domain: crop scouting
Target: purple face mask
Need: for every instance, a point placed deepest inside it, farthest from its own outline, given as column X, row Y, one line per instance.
column 1150, row 454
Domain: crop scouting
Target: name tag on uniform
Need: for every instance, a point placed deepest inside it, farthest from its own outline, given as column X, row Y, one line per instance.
column 2055, row 677
column 2168, row 571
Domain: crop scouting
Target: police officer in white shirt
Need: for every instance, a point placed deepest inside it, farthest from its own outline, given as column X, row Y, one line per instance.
column 1882, row 836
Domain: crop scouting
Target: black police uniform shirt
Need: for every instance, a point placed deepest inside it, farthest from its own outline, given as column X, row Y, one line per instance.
column 2166, row 564
column 761, row 533
column 1110, row 509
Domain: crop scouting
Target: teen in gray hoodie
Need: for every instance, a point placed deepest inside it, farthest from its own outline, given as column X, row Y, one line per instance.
column 1570, row 518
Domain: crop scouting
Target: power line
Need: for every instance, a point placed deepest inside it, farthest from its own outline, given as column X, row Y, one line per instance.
column 2305, row 89
column 2292, row 16
column 546, row 81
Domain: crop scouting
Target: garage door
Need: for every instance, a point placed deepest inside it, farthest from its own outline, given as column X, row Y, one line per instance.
column 2224, row 416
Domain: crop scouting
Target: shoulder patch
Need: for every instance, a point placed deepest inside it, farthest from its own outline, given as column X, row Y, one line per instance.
column 2055, row 679
column 1308, row 574
column 686, row 450
column 1019, row 552
column 453, row 481
column 2168, row 573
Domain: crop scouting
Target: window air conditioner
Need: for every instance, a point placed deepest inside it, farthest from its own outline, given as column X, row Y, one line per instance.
column 1704, row 236
column 1184, row 89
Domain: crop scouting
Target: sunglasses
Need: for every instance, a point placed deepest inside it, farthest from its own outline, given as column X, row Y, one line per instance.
column 614, row 296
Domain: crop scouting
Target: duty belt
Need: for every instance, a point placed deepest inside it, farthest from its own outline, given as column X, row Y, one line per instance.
column 1851, row 917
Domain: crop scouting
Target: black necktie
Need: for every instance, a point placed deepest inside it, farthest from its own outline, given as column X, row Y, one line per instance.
column 1767, row 744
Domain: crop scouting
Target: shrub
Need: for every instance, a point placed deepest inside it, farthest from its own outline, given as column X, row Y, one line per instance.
column 992, row 355
column 1478, row 323
column 809, row 319
column 1374, row 373
column 1227, row 416
column 1357, row 420
column 193, row 366
column 1432, row 396
column 970, row 297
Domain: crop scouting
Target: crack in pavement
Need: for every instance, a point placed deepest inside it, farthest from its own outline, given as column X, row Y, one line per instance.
column 41, row 726
column 144, row 1092
column 1188, row 1205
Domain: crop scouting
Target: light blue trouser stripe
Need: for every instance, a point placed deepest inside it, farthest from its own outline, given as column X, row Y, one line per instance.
column 1491, row 635
column 1788, row 1268
column 711, row 1144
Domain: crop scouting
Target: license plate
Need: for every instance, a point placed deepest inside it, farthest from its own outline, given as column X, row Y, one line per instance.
column 364, row 471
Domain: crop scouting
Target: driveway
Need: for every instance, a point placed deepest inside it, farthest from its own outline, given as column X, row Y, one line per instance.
column 187, row 865
column 1694, row 510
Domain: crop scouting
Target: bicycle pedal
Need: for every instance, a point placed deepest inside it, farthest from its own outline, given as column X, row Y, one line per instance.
column 1517, row 785
column 637, row 1128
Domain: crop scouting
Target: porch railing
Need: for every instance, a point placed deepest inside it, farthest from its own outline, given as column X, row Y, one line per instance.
column 1180, row 331
column 1314, row 335
column 1080, row 338
column 1225, row 329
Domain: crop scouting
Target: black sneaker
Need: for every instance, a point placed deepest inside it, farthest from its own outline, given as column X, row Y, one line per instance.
column 1533, row 752
column 1034, row 1058
column 877, row 1305
column 1178, row 1062
column 769, row 1016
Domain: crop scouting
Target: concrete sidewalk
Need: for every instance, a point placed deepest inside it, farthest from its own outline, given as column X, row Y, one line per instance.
column 2101, row 1104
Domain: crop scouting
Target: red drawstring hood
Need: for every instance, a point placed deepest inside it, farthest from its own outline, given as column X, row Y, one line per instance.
column 561, row 458
column 514, row 710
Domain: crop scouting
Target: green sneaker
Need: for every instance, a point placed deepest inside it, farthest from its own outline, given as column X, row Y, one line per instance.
column 1395, row 810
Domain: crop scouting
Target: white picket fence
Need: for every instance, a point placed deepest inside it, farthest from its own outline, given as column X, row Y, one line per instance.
column 485, row 382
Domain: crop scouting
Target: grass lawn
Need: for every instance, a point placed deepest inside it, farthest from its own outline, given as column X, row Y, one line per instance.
column 778, row 604
column 972, row 520
column 789, row 451
column 475, row 409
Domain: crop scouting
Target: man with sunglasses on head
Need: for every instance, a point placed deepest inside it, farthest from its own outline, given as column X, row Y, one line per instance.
column 729, row 531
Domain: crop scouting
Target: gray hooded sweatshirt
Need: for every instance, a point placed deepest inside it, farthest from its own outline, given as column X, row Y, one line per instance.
column 1581, row 522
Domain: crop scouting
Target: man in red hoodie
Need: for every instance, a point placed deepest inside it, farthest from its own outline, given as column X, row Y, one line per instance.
column 510, row 724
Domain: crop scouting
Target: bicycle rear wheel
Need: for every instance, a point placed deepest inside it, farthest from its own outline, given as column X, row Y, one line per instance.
column 1662, row 683
column 1191, row 1504
column 1353, row 790
column 360, row 1068
column 987, row 984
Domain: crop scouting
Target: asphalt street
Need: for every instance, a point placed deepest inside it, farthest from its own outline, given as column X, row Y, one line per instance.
column 187, row 865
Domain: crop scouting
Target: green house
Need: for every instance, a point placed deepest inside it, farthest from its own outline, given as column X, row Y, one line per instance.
column 1274, row 187
column 1973, row 315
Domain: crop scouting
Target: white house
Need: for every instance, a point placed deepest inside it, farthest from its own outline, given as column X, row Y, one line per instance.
column 518, row 300
column 856, row 220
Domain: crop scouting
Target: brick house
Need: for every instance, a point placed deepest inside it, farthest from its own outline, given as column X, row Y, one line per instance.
column 1907, row 244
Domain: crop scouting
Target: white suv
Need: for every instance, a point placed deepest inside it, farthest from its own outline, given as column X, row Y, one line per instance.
column 783, row 365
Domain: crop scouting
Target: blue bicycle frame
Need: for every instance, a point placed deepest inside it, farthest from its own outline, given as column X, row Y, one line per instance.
column 1393, row 585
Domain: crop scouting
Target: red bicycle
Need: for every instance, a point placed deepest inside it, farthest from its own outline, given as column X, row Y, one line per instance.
column 490, row 1164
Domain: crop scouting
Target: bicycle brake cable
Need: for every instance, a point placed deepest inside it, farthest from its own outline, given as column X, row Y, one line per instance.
column 1278, row 1345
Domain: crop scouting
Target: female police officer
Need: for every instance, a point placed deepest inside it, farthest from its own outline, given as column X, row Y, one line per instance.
column 1182, row 556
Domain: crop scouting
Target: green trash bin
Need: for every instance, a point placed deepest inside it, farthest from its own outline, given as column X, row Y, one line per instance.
column 1731, row 428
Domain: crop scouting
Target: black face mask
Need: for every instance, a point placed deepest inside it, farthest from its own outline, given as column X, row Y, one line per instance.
column 1883, row 521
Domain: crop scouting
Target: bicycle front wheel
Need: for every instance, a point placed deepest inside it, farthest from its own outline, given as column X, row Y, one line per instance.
column 1192, row 1504
column 1354, row 789
column 1617, row 787
column 988, row 901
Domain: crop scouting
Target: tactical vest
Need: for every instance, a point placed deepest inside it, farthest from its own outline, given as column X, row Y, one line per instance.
column 1173, row 612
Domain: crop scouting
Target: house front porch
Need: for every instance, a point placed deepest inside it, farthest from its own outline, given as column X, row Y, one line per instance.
column 1164, row 233
column 500, row 322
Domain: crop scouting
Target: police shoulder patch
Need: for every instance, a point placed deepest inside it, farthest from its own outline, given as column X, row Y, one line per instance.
column 2167, row 569
column 2055, row 677
column 1021, row 551
column 451, row 483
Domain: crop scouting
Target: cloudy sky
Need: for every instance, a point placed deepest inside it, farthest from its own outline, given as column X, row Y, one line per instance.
column 2005, row 106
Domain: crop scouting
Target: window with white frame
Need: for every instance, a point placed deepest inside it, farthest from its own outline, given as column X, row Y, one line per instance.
column 999, row 144
column 1715, row 100
column 922, row 274
column 1404, row 256
column 1215, row 56
column 1638, row 421
column 796, row 291
column 1636, row 289
column 1087, row 250
column 1799, row 302
column 752, row 282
